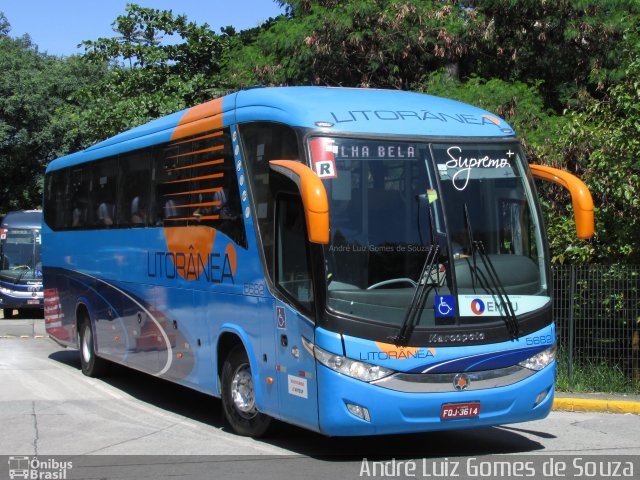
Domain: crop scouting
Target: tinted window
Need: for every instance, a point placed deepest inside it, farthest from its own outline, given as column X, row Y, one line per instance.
column 263, row 142
column 56, row 199
column 188, row 182
column 102, row 211
column 134, row 203
column 197, row 185
column 79, row 204
column 293, row 265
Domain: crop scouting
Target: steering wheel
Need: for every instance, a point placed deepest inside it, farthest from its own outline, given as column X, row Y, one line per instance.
column 21, row 267
column 392, row 281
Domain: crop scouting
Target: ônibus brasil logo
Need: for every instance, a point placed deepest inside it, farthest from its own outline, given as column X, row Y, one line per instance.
column 31, row 468
column 477, row 306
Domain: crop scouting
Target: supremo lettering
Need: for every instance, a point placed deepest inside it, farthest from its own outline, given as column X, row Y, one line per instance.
column 464, row 165
column 213, row 268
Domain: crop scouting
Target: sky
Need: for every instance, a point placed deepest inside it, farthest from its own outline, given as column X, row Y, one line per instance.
column 58, row 26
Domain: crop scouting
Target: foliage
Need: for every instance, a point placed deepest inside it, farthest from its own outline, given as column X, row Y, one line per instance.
column 601, row 143
column 592, row 377
column 520, row 104
column 568, row 44
column 365, row 43
column 559, row 46
column 158, row 64
column 32, row 87
column 5, row 26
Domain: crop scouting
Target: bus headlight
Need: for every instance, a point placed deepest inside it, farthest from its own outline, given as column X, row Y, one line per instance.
column 540, row 360
column 359, row 370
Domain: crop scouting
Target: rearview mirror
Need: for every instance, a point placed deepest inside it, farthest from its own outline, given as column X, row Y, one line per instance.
column 580, row 196
column 313, row 194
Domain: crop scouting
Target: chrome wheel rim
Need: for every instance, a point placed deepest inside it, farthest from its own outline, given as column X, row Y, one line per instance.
column 243, row 392
column 86, row 344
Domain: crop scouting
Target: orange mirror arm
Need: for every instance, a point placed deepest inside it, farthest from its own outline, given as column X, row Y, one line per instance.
column 580, row 196
column 314, row 197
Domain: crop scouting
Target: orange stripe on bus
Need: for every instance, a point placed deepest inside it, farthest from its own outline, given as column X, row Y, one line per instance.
column 206, row 190
column 204, row 177
column 204, row 164
column 204, row 217
column 204, row 204
column 199, row 119
column 197, row 139
column 204, row 150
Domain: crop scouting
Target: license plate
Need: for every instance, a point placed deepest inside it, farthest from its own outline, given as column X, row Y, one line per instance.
column 451, row 411
column 33, row 302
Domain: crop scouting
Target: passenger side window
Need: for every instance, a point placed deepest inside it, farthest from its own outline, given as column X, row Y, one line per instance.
column 79, row 205
column 134, row 208
column 188, row 182
column 104, row 174
column 57, row 200
column 293, row 266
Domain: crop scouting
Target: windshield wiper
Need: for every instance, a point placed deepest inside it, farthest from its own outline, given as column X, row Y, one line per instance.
column 507, row 308
column 493, row 285
column 22, row 273
column 21, row 276
column 420, row 294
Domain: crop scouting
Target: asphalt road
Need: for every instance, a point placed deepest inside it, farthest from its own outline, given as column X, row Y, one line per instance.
column 48, row 408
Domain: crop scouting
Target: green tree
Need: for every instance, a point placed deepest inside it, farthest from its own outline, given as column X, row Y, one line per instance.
column 157, row 63
column 601, row 143
column 5, row 26
column 561, row 47
column 521, row 104
column 366, row 43
column 568, row 44
column 33, row 86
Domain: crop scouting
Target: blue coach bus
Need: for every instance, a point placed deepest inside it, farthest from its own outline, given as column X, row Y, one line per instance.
column 21, row 263
column 351, row 261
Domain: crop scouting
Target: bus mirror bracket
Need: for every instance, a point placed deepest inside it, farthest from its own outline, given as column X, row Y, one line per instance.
column 580, row 196
column 313, row 194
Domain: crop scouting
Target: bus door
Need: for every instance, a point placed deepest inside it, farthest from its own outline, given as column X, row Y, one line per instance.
column 296, row 368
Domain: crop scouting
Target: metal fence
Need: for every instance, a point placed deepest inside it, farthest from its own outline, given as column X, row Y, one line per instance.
column 597, row 313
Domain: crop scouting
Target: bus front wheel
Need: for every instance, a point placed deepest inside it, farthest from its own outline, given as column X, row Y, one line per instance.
column 238, row 396
column 92, row 365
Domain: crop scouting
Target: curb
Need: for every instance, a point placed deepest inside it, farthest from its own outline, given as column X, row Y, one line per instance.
column 592, row 405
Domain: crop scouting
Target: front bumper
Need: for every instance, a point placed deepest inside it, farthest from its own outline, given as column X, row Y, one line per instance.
column 21, row 299
column 392, row 412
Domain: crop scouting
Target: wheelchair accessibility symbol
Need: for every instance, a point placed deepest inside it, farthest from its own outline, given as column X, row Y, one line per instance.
column 445, row 306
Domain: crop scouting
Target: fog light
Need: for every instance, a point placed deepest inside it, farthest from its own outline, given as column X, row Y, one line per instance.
column 358, row 411
column 541, row 396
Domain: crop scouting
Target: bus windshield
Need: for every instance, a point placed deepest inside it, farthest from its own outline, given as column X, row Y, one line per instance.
column 391, row 203
column 20, row 254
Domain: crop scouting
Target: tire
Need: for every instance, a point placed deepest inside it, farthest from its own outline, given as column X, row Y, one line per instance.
column 92, row 365
column 238, row 396
column 7, row 312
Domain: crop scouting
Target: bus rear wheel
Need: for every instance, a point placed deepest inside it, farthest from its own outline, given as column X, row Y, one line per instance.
column 92, row 365
column 238, row 396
